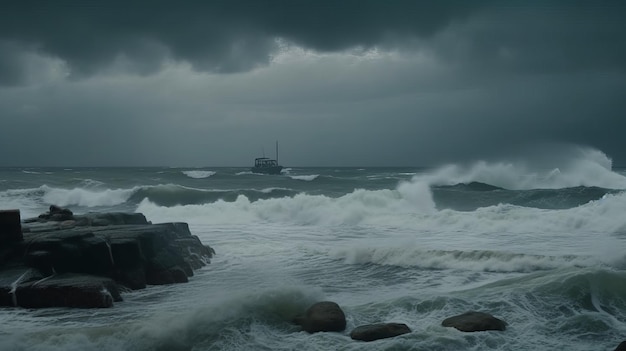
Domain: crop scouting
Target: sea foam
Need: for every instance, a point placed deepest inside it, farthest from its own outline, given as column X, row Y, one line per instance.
column 198, row 174
column 580, row 167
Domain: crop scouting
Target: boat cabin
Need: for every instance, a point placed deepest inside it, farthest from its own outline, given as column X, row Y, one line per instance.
column 265, row 162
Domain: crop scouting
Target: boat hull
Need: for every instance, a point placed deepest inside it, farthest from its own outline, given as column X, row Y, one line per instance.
column 267, row 170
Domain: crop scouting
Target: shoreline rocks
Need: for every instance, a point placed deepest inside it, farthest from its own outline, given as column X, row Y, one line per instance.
column 65, row 260
column 327, row 316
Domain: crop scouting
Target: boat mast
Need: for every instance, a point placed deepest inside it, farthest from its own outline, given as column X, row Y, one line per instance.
column 277, row 152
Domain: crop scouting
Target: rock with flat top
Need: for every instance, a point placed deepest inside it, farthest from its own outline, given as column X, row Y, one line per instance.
column 72, row 260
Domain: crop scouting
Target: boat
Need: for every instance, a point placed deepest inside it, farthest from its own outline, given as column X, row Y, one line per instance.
column 266, row 165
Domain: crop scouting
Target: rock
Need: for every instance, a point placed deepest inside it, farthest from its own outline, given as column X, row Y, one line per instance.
column 84, row 261
column 373, row 332
column 474, row 321
column 10, row 280
column 57, row 214
column 68, row 290
column 111, row 218
column 322, row 316
column 40, row 260
column 621, row 346
column 10, row 227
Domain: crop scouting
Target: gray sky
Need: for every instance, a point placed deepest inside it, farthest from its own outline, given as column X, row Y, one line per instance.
column 341, row 83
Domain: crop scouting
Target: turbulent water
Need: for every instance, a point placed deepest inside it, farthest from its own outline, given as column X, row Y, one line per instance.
column 539, row 247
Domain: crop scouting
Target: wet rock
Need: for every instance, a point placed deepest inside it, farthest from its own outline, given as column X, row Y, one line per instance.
column 57, row 214
column 10, row 227
column 111, row 218
column 373, row 332
column 325, row 316
column 474, row 321
column 68, row 290
column 109, row 251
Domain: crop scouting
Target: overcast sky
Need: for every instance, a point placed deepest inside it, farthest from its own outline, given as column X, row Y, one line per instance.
column 337, row 83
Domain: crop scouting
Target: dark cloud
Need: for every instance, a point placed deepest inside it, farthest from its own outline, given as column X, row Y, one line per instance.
column 238, row 35
column 354, row 82
column 220, row 36
column 541, row 37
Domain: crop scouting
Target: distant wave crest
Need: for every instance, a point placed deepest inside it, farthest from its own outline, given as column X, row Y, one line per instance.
column 307, row 178
column 198, row 174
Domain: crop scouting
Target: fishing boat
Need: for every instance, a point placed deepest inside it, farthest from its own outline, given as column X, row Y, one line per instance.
column 267, row 165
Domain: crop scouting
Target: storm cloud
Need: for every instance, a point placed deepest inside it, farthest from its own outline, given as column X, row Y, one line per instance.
column 338, row 82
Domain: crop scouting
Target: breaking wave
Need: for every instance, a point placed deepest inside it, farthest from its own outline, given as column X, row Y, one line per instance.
column 472, row 260
column 580, row 167
column 198, row 174
column 307, row 178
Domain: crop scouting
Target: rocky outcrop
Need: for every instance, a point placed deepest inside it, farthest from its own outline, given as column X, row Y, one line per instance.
column 474, row 321
column 373, row 332
column 325, row 316
column 10, row 228
column 63, row 259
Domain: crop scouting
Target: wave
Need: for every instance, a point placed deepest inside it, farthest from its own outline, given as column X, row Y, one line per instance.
column 91, row 183
column 409, row 208
column 198, row 174
column 86, row 197
column 219, row 322
column 473, row 186
column 469, row 197
column 172, row 195
column 576, row 167
column 307, row 178
column 472, row 260
column 161, row 195
column 577, row 293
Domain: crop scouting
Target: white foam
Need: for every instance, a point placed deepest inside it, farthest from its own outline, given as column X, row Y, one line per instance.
column 472, row 260
column 360, row 206
column 198, row 174
column 579, row 167
column 86, row 197
column 307, row 178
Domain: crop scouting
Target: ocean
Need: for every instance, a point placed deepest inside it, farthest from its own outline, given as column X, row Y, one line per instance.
column 542, row 248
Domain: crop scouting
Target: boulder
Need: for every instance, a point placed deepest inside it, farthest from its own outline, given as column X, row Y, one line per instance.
column 322, row 316
column 474, row 321
column 373, row 332
column 621, row 346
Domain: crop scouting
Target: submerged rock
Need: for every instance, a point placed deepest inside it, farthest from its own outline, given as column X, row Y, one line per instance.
column 373, row 332
column 325, row 316
column 82, row 261
column 474, row 321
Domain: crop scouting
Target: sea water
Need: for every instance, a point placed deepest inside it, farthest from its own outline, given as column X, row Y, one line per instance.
column 542, row 248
